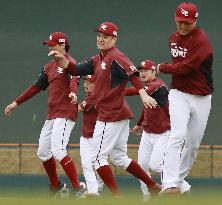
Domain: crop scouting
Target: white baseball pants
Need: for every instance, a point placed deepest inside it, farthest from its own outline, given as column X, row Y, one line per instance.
column 54, row 139
column 110, row 139
column 151, row 153
column 93, row 181
column 188, row 117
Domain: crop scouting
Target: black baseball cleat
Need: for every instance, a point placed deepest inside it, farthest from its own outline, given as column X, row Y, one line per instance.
column 59, row 192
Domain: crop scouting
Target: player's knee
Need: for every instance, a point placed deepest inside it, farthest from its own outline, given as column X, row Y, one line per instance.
column 99, row 163
column 123, row 161
column 59, row 154
column 43, row 155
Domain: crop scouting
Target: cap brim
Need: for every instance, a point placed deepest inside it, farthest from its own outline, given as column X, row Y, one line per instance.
column 188, row 20
column 137, row 73
column 49, row 43
column 86, row 78
column 139, row 67
column 102, row 31
column 145, row 68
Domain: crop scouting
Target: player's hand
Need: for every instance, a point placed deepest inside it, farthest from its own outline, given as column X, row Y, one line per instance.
column 73, row 97
column 80, row 109
column 60, row 58
column 158, row 68
column 137, row 130
column 10, row 108
column 148, row 101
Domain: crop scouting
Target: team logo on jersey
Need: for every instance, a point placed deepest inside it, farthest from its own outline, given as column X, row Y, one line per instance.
column 177, row 51
column 132, row 67
column 103, row 65
column 60, row 70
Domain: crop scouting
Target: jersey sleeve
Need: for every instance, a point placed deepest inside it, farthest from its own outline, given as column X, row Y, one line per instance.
column 74, row 84
column 42, row 81
column 140, row 121
column 161, row 95
column 88, row 103
column 127, row 67
column 27, row 94
column 131, row 91
column 119, row 74
column 81, row 69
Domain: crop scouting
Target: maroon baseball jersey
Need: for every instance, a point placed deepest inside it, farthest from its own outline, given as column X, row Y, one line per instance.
column 155, row 120
column 112, row 71
column 89, row 116
column 192, row 57
column 58, row 83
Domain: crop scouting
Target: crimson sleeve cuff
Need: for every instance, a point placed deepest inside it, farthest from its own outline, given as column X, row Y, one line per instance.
column 136, row 82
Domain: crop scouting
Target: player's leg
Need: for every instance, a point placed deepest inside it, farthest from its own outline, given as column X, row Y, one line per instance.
column 144, row 153
column 120, row 157
column 184, row 187
column 100, row 182
column 159, row 146
column 104, row 138
column 196, row 127
column 86, row 151
column 179, row 117
column 60, row 137
column 45, row 155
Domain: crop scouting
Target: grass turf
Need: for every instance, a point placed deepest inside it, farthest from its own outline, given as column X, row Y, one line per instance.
column 33, row 190
column 130, row 199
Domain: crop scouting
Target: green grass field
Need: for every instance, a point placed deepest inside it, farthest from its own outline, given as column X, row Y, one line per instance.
column 33, row 190
column 202, row 199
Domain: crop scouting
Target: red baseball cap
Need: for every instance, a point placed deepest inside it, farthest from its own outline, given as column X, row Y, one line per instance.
column 89, row 78
column 56, row 38
column 147, row 65
column 186, row 12
column 108, row 28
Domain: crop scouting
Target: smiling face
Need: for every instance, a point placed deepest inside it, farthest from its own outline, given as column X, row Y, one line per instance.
column 184, row 28
column 105, row 42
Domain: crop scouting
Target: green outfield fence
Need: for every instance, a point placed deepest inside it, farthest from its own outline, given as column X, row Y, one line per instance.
column 22, row 159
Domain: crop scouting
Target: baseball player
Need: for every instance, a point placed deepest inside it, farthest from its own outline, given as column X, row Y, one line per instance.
column 154, row 122
column 61, row 117
column 189, row 97
column 112, row 70
column 86, row 141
